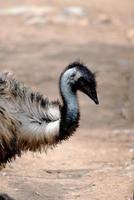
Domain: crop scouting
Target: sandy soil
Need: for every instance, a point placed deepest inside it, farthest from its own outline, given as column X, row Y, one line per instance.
column 97, row 162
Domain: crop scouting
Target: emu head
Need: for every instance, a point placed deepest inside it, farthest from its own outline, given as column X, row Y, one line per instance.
column 79, row 77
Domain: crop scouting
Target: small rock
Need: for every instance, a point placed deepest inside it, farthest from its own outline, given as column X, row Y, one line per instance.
column 123, row 131
column 131, row 150
column 16, row 189
column 37, row 193
column 102, row 19
column 13, row 11
column 124, row 113
column 130, row 35
column 48, row 171
column 69, row 21
column 74, row 11
column 4, row 174
column 36, row 20
column 24, row 10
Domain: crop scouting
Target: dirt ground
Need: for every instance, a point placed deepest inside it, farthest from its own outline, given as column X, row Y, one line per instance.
column 37, row 40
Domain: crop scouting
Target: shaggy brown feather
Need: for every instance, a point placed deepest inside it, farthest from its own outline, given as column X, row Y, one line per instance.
column 20, row 106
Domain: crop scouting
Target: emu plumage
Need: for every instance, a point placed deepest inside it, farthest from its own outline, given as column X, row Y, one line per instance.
column 28, row 121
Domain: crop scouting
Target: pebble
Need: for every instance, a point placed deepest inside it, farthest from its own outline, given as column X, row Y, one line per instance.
column 22, row 10
column 37, row 193
column 4, row 174
column 130, row 35
column 102, row 18
column 37, row 20
column 37, row 15
column 69, row 21
column 74, row 11
column 123, row 131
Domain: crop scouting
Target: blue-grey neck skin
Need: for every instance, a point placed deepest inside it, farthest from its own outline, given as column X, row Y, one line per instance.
column 70, row 109
column 69, row 96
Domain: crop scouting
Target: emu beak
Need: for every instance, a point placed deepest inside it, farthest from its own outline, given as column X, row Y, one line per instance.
column 93, row 96
column 91, row 93
column 96, row 100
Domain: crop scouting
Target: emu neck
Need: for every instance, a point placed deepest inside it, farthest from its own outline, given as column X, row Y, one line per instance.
column 70, row 103
column 70, row 108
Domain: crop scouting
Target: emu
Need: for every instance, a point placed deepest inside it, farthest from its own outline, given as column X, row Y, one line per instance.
column 28, row 121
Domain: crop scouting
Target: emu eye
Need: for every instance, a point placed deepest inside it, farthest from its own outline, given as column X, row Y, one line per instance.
column 73, row 75
column 81, row 81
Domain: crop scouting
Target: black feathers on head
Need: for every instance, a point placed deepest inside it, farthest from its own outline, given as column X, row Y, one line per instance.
column 83, row 68
column 75, row 64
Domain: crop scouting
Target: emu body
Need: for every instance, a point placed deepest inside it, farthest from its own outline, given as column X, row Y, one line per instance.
column 28, row 121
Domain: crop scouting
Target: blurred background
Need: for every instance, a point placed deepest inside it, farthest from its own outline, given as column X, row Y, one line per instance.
column 38, row 39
